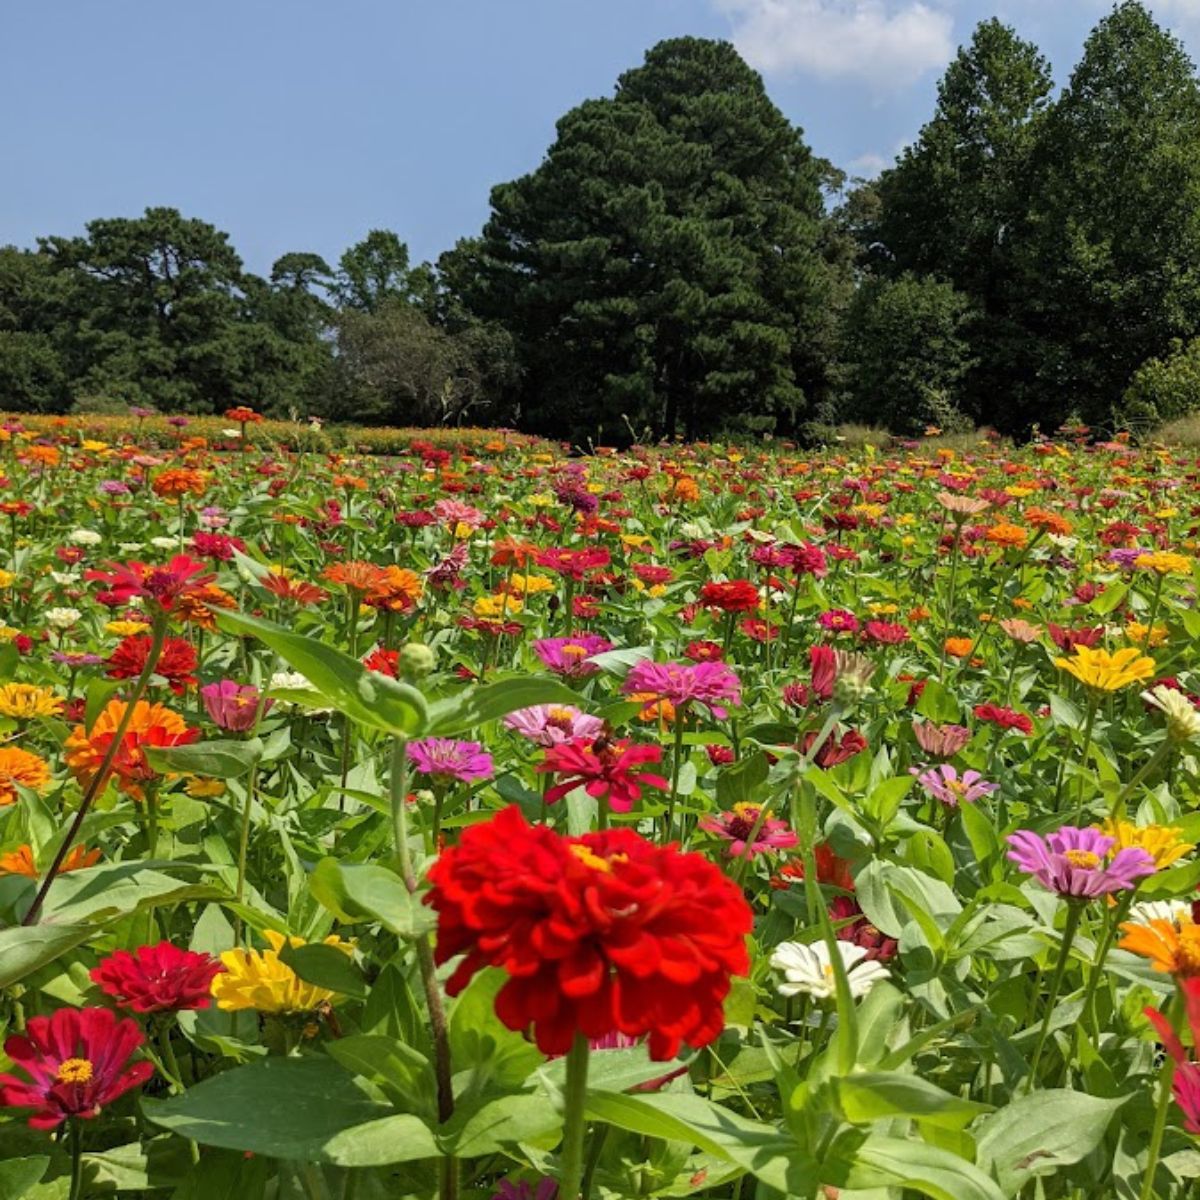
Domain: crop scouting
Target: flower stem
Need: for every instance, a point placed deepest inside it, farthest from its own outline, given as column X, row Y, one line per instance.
column 1093, row 705
column 1161, row 751
column 158, row 636
column 1074, row 912
column 75, row 1138
column 676, row 763
column 1166, row 1077
column 574, row 1098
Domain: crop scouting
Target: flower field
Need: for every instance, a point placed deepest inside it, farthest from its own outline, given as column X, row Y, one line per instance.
column 470, row 820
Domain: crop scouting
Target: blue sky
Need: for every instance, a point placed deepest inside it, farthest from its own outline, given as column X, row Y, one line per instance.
column 301, row 124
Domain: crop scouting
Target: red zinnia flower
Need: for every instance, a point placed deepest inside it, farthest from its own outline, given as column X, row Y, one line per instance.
column 1006, row 718
column 737, row 595
column 159, row 978
column 598, row 934
column 602, row 768
column 573, row 564
column 885, row 633
column 76, row 1062
column 834, row 751
column 182, row 576
column 175, row 664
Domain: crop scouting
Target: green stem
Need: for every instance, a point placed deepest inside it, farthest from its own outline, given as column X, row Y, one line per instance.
column 1166, row 1076
column 75, row 1138
column 676, row 763
column 949, row 616
column 1074, row 912
column 1118, row 808
column 158, row 637
column 594, row 1151
column 1093, row 705
column 1110, row 932
column 574, row 1122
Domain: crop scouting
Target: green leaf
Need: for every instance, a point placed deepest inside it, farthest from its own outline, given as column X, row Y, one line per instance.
column 327, row 967
column 937, row 703
column 886, row 1162
column 18, row 1175
column 1110, row 599
column 467, row 712
column 301, row 1108
column 881, row 1095
column 217, row 759
column 404, row 1073
column 480, row 1038
column 24, row 949
column 739, row 780
column 364, row 696
column 497, row 1123
column 99, row 693
column 102, row 892
column 1039, row 1133
column 759, row 1149
column 356, row 892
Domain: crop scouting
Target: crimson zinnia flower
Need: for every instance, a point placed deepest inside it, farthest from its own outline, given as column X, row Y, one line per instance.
column 598, row 934
column 175, row 664
column 737, row 595
column 75, row 1061
column 1006, row 718
column 602, row 768
column 181, row 577
column 159, row 978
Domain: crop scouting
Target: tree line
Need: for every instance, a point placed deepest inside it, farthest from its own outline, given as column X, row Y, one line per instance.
column 681, row 263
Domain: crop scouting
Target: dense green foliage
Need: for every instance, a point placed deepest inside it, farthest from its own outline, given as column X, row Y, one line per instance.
column 672, row 267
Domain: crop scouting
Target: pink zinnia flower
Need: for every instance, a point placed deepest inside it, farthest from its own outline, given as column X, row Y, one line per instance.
column 708, row 683
column 454, row 513
column 552, row 724
column 736, row 825
column 450, row 759
column 839, row 620
column 1070, row 861
column 75, row 1062
column 942, row 741
column 232, row 706
column 943, row 783
column 570, row 655
column 612, row 769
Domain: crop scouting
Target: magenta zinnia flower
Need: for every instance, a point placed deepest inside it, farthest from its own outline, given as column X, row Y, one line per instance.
column 943, row 783
column 570, row 655
column 450, row 759
column 735, row 827
column 159, row 978
column 232, row 706
column 612, row 769
column 708, row 683
column 76, row 1062
column 1070, row 861
column 552, row 724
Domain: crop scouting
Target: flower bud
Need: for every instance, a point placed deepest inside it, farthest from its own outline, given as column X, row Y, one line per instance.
column 416, row 661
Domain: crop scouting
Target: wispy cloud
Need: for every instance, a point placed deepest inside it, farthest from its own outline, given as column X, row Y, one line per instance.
column 887, row 43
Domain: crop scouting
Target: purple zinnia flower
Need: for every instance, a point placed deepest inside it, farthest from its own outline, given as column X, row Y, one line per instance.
column 76, row 659
column 448, row 758
column 1070, row 861
column 447, row 571
column 570, row 655
column 553, row 724
column 1126, row 558
column 114, row 487
column 943, row 783
column 709, row 683
column 736, row 825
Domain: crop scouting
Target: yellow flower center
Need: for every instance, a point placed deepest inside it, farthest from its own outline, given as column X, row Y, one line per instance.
column 1082, row 858
column 560, row 714
column 595, row 861
column 75, row 1070
column 574, row 651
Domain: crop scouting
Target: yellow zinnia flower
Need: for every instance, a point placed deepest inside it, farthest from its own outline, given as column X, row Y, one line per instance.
column 1163, row 843
column 497, row 606
column 126, row 628
column 257, row 979
column 1096, row 668
column 1164, row 563
column 22, row 701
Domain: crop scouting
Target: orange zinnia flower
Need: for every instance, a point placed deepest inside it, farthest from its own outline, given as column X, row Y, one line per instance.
column 177, row 482
column 196, row 607
column 1008, row 536
column 151, row 725
column 20, row 861
column 1049, row 521
column 1172, row 947
column 397, row 591
column 358, row 576
column 959, row 647
column 21, row 767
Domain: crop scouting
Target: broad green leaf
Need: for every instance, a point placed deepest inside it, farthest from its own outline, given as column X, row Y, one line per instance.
column 405, row 1074
column 466, row 713
column 480, row 1039
column 327, row 967
column 887, row 1162
column 218, row 759
column 24, row 949
column 880, row 1095
column 364, row 696
column 101, row 892
column 18, row 1175
column 499, row 1122
column 308, row 1109
column 1039, row 1133
column 761, row 1149
column 356, row 892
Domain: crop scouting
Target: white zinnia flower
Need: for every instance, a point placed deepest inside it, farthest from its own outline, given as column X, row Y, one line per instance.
column 293, row 681
column 807, row 969
column 1183, row 720
column 131, row 547
column 164, row 543
column 84, row 537
column 61, row 618
column 1174, row 912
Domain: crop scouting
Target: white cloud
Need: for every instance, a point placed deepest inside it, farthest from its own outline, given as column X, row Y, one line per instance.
column 888, row 43
column 868, row 164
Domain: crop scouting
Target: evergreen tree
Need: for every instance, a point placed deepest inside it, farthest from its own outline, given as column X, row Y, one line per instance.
column 660, row 268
